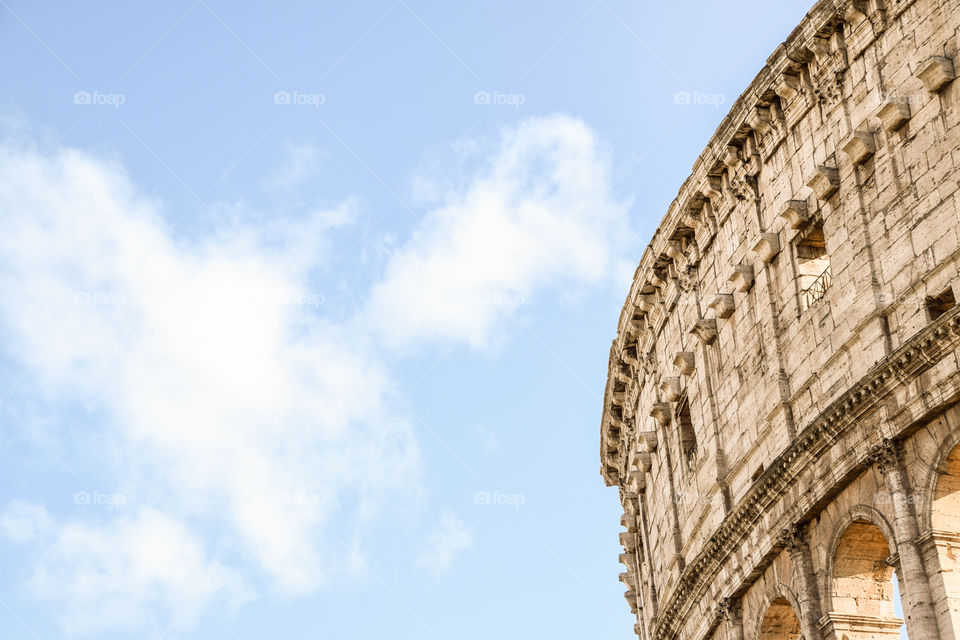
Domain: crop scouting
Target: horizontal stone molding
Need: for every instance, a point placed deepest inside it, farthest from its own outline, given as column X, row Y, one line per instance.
column 726, row 172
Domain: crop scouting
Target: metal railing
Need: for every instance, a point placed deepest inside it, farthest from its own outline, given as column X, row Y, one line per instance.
column 817, row 289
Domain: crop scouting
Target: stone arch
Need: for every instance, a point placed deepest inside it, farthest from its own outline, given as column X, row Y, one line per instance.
column 940, row 539
column 779, row 621
column 860, row 580
column 944, row 509
column 932, row 476
column 853, row 514
column 778, row 600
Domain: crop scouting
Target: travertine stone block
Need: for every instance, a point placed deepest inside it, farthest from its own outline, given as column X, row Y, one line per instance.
column 670, row 387
column 894, row 113
column 691, row 219
column 711, row 187
column 648, row 441
column 825, row 182
column 742, row 277
column 936, row 72
column 643, row 462
column 759, row 120
column 646, row 302
column 766, row 247
column 660, row 411
column 795, row 213
column 788, row 85
column 684, row 361
column 722, row 305
column 705, row 329
column 731, row 156
column 855, row 11
column 674, row 250
column 860, row 146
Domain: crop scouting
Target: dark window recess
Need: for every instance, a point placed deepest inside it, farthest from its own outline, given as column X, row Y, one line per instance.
column 939, row 305
column 688, row 437
column 813, row 266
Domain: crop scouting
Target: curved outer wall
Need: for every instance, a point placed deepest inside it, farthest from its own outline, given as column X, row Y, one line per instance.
column 767, row 419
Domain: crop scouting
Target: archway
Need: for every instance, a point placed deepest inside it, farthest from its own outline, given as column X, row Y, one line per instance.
column 946, row 496
column 862, row 586
column 780, row 622
column 941, row 547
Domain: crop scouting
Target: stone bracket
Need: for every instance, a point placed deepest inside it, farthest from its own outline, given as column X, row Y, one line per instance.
column 936, row 72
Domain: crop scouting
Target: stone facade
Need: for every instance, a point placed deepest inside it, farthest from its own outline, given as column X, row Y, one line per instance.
column 781, row 415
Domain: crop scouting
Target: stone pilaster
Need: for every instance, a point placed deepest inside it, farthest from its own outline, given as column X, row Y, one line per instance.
column 793, row 540
column 915, row 586
column 941, row 557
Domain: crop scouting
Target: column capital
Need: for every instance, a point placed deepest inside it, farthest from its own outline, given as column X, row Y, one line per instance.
column 793, row 539
column 731, row 610
column 886, row 456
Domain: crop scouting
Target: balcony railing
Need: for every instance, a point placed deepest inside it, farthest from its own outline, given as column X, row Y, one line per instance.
column 817, row 289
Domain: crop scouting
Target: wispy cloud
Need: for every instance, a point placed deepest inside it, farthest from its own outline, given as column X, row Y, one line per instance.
column 302, row 161
column 252, row 434
column 149, row 571
column 23, row 521
column 449, row 537
column 231, row 407
column 538, row 218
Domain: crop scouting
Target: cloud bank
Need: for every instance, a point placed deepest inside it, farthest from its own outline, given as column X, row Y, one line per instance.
column 250, row 434
column 239, row 423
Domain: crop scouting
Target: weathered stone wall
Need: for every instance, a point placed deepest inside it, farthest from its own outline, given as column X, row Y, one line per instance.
column 781, row 391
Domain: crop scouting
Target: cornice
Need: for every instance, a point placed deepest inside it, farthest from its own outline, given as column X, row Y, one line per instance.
column 759, row 120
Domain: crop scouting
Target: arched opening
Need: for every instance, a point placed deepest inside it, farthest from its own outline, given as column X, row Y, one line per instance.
column 813, row 265
column 946, row 496
column 864, row 596
column 780, row 622
column 940, row 551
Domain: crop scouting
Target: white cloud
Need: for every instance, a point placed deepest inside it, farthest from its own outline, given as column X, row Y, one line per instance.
column 303, row 161
column 229, row 405
column 540, row 216
column 449, row 537
column 147, row 572
column 23, row 521
column 252, row 437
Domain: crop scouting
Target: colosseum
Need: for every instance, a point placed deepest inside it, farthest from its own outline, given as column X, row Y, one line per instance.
column 781, row 412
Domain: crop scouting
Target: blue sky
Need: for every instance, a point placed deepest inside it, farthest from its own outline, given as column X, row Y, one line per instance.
column 306, row 306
